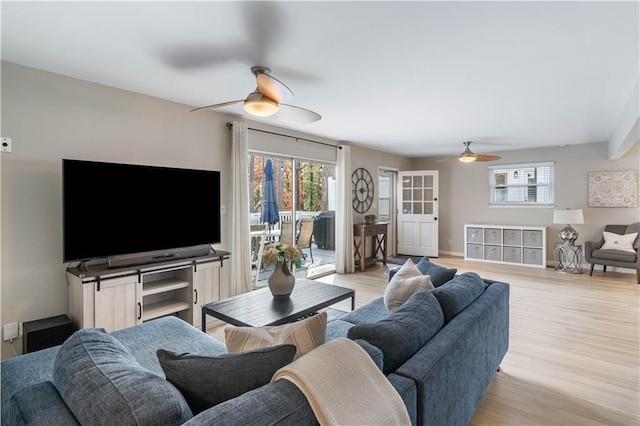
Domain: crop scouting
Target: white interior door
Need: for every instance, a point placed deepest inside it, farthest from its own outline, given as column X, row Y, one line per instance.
column 418, row 213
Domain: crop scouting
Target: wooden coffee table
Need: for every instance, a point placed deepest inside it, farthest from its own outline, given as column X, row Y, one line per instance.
column 259, row 308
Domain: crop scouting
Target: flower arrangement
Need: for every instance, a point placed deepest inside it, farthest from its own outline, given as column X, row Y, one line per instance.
column 277, row 253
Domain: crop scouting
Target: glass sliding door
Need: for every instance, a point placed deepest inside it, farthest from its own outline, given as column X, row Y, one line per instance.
column 305, row 196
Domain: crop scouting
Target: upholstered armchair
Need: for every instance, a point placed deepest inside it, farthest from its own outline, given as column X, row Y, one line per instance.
column 596, row 254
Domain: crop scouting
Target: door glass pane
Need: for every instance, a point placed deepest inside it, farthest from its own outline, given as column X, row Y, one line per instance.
column 384, row 198
column 406, row 208
column 406, row 194
column 417, row 194
column 417, row 208
column 428, row 208
column 428, row 181
column 315, row 211
column 428, row 194
column 417, row 181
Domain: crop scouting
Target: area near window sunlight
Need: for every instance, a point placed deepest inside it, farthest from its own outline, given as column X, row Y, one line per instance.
column 521, row 184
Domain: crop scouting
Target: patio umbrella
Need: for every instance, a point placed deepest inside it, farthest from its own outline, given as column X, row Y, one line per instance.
column 270, row 213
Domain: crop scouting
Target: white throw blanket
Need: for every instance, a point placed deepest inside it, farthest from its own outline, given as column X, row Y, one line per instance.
column 345, row 387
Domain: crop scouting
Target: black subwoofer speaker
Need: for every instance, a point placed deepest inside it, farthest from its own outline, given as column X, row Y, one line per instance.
column 45, row 333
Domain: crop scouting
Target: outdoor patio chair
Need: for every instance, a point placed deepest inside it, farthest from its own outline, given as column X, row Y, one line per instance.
column 258, row 237
column 286, row 234
column 305, row 236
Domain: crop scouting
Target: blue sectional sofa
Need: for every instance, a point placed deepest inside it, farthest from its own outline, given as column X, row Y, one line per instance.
column 440, row 350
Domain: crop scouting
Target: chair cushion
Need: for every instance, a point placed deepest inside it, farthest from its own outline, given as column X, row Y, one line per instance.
column 205, row 381
column 103, row 384
column 403, row 332
column 305, row 334
column 619, row 242
column 459, row 293
column 404, row 283
column 439, row 274
column 617, row 255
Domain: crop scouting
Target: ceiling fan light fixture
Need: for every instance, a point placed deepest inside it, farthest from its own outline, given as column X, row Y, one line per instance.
column 260, row 105
column 467, row 158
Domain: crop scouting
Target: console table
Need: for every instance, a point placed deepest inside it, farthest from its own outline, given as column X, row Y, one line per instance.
column 377, row 232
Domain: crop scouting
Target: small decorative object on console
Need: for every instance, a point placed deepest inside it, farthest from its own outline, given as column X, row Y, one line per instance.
column 285, row 258
column 369, row 219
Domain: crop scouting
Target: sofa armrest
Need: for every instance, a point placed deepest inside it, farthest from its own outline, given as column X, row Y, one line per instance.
column 40, row 404
column 589, row 247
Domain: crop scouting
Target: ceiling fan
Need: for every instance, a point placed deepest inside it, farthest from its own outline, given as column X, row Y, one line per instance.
column 467, row 156
column 268, row 100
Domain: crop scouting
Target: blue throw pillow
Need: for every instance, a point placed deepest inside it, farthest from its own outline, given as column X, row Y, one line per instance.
column 206, row 381
column 458, row 293
column 406, row 330
column 439, row 274
column 103, row 384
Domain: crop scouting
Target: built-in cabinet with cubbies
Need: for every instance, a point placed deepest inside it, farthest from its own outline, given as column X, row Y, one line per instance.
column 515, row 244
column 117, row 298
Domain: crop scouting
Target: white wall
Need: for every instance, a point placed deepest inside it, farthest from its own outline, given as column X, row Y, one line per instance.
column 50, row 117
column 464, row 193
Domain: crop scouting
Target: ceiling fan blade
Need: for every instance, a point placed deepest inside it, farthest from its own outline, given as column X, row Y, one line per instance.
column 273, row 88
column 442, row 160
column 480, row 157
column 296, row 114
column 223, row 104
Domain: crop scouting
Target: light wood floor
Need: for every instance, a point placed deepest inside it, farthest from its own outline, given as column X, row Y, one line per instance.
column 573, row 354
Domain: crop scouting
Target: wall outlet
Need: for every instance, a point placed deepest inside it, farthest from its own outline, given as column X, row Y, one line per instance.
column 5, row 145
column 11, row 331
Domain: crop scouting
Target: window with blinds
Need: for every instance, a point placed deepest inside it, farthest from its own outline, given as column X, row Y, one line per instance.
column 521, row 184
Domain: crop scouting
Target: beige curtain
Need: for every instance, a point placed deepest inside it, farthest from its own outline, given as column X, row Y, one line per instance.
column 240, row 237
column 345, row 263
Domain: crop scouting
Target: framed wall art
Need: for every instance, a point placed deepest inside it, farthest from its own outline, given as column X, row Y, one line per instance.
column 613, row 189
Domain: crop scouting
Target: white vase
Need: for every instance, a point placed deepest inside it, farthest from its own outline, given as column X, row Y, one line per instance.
column 281, row 284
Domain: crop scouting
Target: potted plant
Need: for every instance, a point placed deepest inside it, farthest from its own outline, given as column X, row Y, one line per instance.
column 369, row 219
column 285, row 258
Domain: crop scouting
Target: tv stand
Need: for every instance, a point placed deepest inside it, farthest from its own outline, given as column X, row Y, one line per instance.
column 116, row 298
column 158, row 256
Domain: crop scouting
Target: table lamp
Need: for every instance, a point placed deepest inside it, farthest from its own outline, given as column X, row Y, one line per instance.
column 568, row 235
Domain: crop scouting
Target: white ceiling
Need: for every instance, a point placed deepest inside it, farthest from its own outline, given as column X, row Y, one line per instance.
column 416, row 78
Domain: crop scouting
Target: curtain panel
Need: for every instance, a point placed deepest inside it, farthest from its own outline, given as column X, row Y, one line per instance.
column 345, row 264
column 240, row 237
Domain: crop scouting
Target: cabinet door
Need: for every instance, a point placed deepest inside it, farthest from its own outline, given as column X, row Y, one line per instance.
column 206, row 288
column 117, row 303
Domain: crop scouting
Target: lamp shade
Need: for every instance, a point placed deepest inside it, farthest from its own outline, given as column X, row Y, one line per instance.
column 568, row 216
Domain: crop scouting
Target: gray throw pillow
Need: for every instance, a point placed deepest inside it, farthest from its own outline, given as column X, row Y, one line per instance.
column 458, row 293
column 102, row 384
column 439, row 274
column 406, row 330
column 206, row 381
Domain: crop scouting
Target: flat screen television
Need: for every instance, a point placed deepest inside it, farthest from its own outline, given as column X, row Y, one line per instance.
column 112, row 209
